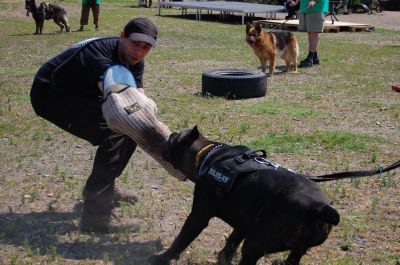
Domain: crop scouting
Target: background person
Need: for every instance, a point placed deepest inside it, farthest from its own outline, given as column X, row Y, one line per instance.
column 67, row 91
column 292, row 7
column 311, row 19
column 342, row 3
column 94, row 5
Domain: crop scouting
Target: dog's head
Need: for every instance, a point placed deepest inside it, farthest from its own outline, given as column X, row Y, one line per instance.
column 181, row 151
column 29, row 4
column 253, row 34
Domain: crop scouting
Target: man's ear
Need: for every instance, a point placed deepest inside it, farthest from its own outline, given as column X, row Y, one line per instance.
column 122, row 35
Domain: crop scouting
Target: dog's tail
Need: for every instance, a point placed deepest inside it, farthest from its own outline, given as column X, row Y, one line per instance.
column 325, row 213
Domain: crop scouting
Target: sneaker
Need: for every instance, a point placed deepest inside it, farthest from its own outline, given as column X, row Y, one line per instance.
column 306, row 63
column 315, row 61
column 96, row 27
column 81, row 28
column 125, row 195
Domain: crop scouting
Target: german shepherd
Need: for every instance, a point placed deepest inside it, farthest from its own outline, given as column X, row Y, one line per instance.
column 47, row 11
column 266, row 45
column 270, row 208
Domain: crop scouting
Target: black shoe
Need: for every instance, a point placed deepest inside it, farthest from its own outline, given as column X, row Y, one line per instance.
column 306, row 63
column 81, row 28
column 315, row 61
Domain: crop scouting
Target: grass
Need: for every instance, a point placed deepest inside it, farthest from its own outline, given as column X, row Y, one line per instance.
column 341, row 115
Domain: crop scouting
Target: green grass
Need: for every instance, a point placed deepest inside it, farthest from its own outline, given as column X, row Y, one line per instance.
column 328, row 140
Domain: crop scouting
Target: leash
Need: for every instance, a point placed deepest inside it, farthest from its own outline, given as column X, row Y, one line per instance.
column 354, row 174
column 298, row 13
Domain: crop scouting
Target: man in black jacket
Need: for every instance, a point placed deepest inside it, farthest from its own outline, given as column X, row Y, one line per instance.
column 67, row 91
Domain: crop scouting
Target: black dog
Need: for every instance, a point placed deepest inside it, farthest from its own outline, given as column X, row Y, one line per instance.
column 47, row 11
column 271, row 208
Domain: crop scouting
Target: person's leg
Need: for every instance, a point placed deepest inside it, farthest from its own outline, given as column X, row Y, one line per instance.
column 345, row 10
column 83, row 118
column 84, row 16
column 96, row 13
column 315, row 24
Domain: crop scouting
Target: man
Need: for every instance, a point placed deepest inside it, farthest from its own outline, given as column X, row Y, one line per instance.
column 311, row 20
column 342, row 3
column 94, row 5
column 79, row 91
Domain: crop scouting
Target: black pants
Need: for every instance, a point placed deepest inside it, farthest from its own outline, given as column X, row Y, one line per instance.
column 292, row 10
column 82, row 116
column 85, row 14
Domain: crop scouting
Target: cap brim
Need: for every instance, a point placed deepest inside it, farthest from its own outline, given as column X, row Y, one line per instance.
column 143, row 37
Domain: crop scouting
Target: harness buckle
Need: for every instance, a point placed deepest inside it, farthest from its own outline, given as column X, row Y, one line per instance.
column 264, row 161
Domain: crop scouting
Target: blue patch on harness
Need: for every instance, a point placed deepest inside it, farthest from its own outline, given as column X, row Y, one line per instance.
column 219, row 177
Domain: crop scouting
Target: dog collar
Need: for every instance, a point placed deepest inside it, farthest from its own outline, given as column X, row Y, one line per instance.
column 200, row 154
column 209, row 152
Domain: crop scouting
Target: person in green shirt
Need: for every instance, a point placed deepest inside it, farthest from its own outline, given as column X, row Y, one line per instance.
column 86, row 6
column 311, row 20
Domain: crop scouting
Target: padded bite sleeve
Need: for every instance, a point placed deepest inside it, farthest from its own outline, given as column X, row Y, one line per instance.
column 129, row 111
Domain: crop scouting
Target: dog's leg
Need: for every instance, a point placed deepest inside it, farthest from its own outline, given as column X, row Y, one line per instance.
column 295, row 257
column 64, row 21
column 263, row 65
column 57, row 21
column 272, row 61
column 193, row 226
column 41, row 27
column 225, row 256
column 252, row 251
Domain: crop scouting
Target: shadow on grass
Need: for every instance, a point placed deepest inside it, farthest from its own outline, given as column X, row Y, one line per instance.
column 56, row 234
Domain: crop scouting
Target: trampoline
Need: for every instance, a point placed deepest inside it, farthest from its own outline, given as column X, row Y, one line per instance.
column 224, row 7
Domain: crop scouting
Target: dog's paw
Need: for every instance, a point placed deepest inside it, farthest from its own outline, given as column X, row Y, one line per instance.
column 158, row 259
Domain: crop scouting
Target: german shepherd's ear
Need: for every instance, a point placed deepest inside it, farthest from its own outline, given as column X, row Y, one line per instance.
column 248, row 27
column 258, row 28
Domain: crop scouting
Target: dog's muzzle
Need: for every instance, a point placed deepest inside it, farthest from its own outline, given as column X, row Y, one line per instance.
column 252, row 41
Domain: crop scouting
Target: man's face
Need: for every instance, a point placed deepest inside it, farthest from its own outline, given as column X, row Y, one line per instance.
column 131, row 52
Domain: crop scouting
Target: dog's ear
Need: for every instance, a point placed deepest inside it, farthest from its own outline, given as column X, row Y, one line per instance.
column 248, row 27
column 258, row 28
column 194, row 134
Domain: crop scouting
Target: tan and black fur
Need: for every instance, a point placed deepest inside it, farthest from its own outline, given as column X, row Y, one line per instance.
column 267, row 45
column 47, row 11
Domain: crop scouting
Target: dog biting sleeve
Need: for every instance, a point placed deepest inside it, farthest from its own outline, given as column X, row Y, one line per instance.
column 131, row 112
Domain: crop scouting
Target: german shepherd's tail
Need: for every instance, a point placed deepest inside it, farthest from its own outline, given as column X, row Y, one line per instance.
column 325, row 213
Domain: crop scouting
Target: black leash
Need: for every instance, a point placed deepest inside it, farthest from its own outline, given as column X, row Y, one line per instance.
column 354, row 174
column 289, row 18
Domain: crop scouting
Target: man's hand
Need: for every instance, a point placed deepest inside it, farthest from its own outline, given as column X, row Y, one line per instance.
column 141, row 90
column 311, row 4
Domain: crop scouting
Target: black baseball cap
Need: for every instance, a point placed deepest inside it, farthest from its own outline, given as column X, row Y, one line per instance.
column 141, row 29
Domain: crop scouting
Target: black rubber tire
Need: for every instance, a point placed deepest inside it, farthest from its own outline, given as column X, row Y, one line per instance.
column 234, row 83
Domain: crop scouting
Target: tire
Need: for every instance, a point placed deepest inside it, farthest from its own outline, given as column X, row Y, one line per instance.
column 234, row 83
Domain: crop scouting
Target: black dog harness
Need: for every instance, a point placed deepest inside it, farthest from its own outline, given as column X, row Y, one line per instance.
column 222, row 164
column 231, row 162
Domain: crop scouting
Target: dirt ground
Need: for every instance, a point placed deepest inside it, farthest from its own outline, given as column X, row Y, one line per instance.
column 385, row 20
